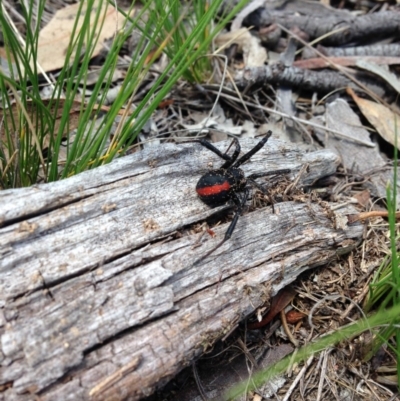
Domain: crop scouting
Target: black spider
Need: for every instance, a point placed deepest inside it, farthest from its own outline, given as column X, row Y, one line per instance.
column 216, row 187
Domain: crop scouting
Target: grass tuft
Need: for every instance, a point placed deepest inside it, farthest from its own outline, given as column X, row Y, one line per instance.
column 35, row 130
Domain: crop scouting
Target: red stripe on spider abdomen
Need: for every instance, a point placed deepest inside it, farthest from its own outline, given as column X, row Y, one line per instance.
column 213, row 189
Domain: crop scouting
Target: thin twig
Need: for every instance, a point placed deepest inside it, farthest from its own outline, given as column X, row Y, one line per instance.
column 338, row 68
column 298, row 377
column 203, row 395
column 247, row 353
column 323, row 374
column 293, row 185
column 366, row 215
column 115, row 377
column 287, row 330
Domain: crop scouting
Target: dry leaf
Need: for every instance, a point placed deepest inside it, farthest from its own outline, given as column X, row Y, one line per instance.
column 380, row 70
column 382, row 118
column 55, row 37
column 278, row 303
column 293, row 316
column 363, row 197
column 254, row 54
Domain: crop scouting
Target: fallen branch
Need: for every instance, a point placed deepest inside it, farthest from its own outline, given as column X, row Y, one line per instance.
column 99, row 297
column 316, row 81
column 337, row 27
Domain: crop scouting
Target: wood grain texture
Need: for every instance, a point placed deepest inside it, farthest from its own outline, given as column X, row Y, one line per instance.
column 99, row 298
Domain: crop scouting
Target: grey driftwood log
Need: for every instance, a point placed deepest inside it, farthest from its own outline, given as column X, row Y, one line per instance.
column 99, row 298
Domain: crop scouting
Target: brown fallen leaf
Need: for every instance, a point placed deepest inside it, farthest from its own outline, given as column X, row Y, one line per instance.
column 54, row 38
column 363, row 197
column 382, row 118
column 254, row 54
column 165, row 103
column 278, row 303
column 294, row 316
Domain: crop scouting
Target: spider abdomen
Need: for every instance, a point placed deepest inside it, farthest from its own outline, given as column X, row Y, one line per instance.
column 216, row 187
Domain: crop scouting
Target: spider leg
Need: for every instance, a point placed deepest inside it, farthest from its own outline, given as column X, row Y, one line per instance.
column 239, row 209
column 229, row 159
column 272, row 172
column 250, row 153
column 235, row 153
column 230, row 145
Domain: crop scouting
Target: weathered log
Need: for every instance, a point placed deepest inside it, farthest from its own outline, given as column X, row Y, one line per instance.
column 99, row 297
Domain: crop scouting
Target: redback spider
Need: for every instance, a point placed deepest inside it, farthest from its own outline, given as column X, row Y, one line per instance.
column 217, row 187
